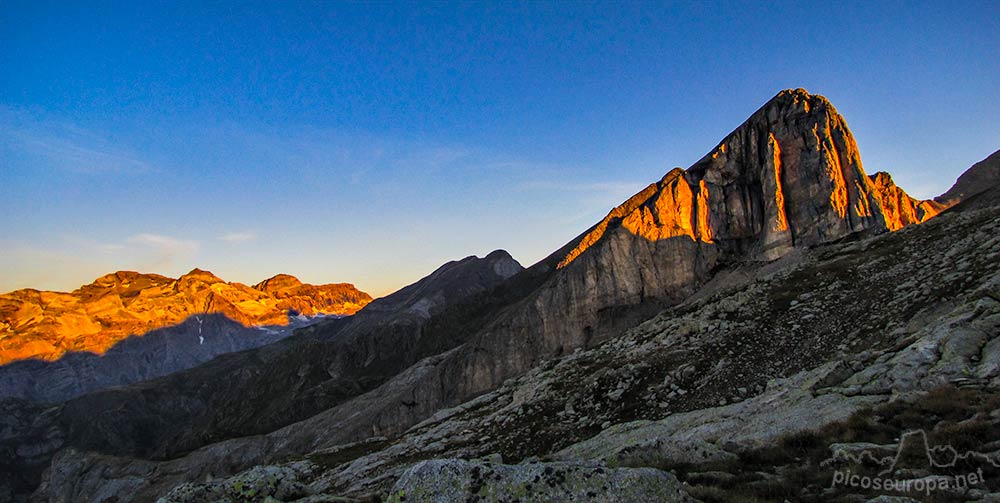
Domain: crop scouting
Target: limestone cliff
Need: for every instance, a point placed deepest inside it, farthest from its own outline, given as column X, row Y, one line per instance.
column 788, row 176
column 45, row 325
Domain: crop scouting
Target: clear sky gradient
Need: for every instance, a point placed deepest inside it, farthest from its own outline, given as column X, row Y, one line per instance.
column 371, row 142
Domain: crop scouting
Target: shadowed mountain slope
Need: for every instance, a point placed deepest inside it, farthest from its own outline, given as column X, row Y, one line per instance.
column 138, row 358
column 980, row 177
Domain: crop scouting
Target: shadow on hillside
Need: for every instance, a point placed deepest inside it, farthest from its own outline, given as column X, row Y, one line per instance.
column 196, row 340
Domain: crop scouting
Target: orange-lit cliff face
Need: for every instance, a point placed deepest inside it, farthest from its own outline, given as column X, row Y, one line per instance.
column 669, row 208
column 36, row 324
column 898, row 207
column 789, row 176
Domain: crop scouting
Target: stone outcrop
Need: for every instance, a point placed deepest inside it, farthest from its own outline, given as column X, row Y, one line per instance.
column 263, row 484
column 45, row 325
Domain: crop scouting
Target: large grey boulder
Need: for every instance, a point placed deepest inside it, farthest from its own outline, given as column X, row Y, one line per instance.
column 259, row 484
column 445, row 480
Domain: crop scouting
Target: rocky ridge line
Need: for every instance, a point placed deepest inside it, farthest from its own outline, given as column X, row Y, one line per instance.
column 45, row 325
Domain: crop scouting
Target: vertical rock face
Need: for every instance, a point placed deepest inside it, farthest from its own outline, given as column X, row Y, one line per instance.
column 788, row 176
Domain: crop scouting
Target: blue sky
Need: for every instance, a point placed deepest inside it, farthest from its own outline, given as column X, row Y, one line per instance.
column 371, row 142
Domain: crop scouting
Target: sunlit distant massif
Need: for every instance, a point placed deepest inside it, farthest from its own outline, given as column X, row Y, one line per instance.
column 45, row 325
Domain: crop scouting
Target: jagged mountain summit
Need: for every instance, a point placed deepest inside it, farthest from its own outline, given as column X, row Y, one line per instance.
column 346, row 407
column 788, row 176
column 45, row 325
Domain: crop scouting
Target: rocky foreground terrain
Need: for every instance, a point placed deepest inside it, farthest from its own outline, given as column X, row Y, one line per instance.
column 46, row 325
column 727, row 334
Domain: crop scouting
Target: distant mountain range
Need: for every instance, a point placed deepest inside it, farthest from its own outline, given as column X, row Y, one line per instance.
column 770, row 288
column 93, row 318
